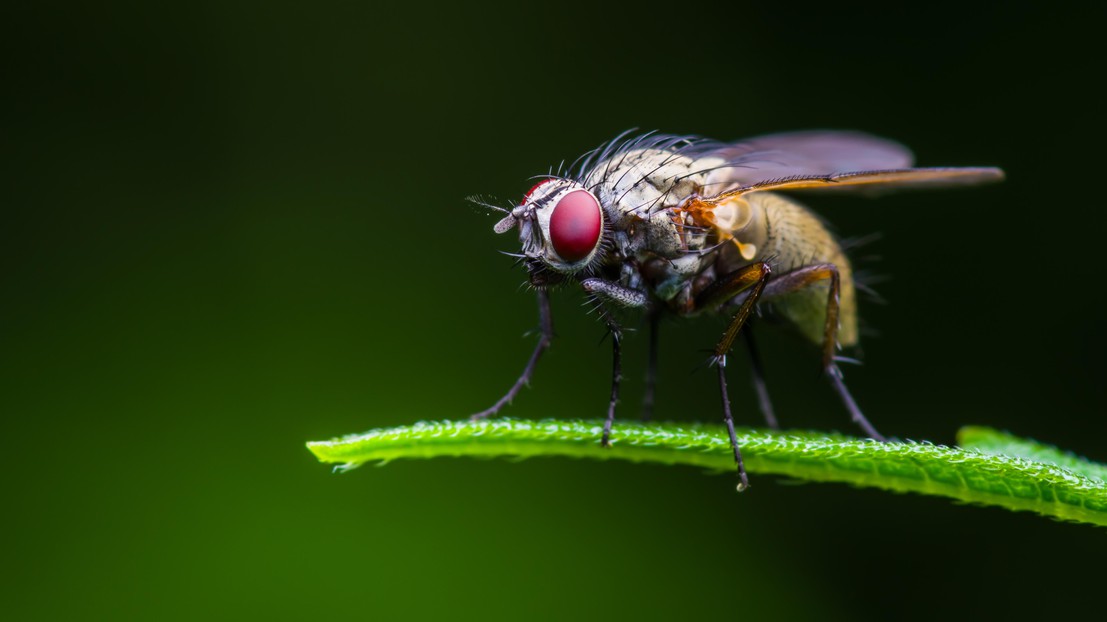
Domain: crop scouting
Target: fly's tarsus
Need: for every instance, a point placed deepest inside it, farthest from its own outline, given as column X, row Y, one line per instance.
column 728, row 419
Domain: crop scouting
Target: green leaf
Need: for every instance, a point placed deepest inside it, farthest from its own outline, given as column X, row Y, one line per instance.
column 991, row 468
column 992, row 441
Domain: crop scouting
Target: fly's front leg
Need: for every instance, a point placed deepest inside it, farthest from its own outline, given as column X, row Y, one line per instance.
column 805, row 277
column 616, row 370
column 752, row 277
column 545, row 323
column 616, row 294
column 607, row 292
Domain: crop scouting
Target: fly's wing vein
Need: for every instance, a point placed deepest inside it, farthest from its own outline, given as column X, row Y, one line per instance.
column 875, row 182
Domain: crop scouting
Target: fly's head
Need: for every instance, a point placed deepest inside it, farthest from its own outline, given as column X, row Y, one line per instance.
column 561, row 229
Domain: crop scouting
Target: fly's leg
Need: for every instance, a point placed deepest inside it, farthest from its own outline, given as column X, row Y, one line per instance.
column 805, row 277
column 545, row 323
column 744, row 481
column 616, row 378
column 605, row 291
column 758, row 373
column 651, row 368
column 752, row 277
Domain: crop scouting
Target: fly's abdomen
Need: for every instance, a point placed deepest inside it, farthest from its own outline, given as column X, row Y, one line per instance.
column 795, row 237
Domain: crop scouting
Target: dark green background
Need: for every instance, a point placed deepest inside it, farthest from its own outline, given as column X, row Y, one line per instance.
column 230, row 228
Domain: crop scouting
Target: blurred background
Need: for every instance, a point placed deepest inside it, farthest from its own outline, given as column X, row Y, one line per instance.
column 231, row 228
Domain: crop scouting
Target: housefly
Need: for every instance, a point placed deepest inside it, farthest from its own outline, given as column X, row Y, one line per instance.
column 685, row 226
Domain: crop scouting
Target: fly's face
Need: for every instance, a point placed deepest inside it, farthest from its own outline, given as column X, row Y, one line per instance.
column 561, row 228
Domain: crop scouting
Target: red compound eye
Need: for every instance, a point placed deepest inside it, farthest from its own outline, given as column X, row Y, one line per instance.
column 575, row 225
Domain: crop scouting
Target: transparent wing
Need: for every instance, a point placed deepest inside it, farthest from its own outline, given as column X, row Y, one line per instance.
column 830, row 160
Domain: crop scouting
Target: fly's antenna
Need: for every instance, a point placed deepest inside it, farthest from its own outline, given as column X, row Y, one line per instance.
column 486, row 206
column 505, row 224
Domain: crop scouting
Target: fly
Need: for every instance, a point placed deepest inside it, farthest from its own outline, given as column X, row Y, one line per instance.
column 686, row 226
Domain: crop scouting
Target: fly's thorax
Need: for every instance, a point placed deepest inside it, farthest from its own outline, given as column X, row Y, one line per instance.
column 655, row 234
column 659, row 244
column 639, row 183
column 700, row 239
column 639, row 189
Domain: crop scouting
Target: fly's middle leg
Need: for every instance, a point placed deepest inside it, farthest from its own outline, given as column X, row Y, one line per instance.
column 752, row 278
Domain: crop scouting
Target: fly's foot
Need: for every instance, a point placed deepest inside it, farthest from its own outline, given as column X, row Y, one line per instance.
column 482, row 415
column 743, row 479
column 605, row 440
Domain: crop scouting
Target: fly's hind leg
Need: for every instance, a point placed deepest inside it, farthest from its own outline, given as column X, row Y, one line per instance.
column 805, row 277
column 752, row 277
column 545, row 323
column 758, row 376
